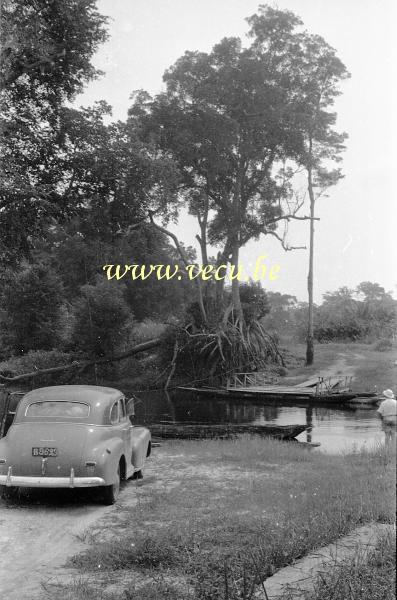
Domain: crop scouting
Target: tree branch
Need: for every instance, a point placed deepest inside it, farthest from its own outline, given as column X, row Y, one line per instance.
column 82, row 365
column 285, row 246
column 185, row 260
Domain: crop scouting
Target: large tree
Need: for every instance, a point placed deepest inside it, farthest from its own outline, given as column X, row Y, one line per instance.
column 233, row 121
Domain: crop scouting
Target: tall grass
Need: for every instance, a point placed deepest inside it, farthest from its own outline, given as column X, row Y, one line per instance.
column 367, row 576
column 235, row 512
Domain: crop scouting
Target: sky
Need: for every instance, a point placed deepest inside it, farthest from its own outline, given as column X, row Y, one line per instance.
column 355, row 238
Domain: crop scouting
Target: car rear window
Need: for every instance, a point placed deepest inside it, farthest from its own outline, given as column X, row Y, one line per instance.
column 73, row 410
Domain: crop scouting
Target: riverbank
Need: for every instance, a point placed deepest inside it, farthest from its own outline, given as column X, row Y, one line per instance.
column 212, row 518
column 370, row 367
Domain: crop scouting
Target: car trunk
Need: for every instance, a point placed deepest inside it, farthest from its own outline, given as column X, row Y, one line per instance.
column 32, row 447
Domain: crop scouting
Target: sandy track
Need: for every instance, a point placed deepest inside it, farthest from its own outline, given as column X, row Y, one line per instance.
column 42, row 529
column 38, row 534
column 340, row 366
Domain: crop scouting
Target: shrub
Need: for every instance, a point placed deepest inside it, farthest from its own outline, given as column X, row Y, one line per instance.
column 35, row 360
column 100, row 319
column 32, row 301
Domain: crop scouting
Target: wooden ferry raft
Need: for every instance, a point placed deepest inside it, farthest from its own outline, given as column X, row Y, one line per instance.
column 257, row 385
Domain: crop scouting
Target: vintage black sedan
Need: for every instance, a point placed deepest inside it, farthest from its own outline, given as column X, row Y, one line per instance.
column 73, row 436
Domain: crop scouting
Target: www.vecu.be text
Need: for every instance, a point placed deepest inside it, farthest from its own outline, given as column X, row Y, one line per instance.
column 205, row 272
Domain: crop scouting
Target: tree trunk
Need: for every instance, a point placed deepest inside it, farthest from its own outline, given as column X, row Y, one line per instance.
column 220, row 284
column 235, row 282
column 203, row 223
column 173, row 366
column 235, row 245
column 310, row 337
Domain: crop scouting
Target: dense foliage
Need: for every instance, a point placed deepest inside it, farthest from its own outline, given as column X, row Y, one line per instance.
column 32, row 299
column 45, row 54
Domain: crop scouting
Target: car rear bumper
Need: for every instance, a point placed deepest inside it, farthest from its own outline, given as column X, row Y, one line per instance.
column 11, row 480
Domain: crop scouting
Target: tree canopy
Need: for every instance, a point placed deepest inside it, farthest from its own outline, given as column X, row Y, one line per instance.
column 45, row 59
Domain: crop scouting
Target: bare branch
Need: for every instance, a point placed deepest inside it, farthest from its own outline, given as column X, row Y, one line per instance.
column 293, row 217
column 285, row 246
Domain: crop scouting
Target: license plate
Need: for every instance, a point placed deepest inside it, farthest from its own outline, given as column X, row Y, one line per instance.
column 40, row 451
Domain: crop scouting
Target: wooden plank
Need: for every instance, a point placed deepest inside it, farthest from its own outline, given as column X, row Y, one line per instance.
column 308, row 383
column 275, row 390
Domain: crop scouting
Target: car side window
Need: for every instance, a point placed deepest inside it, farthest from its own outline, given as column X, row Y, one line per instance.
column 114, row 413
column 122, row 412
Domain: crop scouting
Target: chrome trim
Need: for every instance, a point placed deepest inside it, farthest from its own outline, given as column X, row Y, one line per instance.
column 50, row 482
column 9, row 475
column 82, row 423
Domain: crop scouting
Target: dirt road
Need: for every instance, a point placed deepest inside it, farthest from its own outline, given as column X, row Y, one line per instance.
column 38, row 533
column 41, row 530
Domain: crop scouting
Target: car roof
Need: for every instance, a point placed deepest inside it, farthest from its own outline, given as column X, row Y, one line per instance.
column 76, row 393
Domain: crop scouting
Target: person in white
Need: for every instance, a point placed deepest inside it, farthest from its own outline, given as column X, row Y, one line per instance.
column 388, row 412
column 388, row 407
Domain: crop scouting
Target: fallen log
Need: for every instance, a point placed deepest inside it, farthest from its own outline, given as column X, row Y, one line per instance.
column 85, row 364
column 198, row 431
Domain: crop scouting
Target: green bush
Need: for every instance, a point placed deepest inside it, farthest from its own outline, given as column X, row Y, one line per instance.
column 36, row 360
column 100, row 319
column 32, row 299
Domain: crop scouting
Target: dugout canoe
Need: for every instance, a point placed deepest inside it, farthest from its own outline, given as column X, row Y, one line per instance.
column 199, row 431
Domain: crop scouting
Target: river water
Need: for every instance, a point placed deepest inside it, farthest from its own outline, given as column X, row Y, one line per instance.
column 336, row 428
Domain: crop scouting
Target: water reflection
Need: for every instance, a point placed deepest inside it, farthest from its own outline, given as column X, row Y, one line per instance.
column 336, row 428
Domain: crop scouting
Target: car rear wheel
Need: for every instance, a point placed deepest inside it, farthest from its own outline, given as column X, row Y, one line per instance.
column 111, row 492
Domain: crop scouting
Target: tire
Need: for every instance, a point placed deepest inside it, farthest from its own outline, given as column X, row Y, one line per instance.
column 111, row 492
column 8, row 492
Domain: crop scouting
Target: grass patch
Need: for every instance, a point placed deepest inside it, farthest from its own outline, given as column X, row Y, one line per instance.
column 373, row 367
column 227, row 514
column 368, row 576
column 158, row 589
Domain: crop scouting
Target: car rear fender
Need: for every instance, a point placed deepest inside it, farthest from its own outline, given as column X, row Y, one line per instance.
column 3, row 453
column 107, row 457
column 141, row 439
